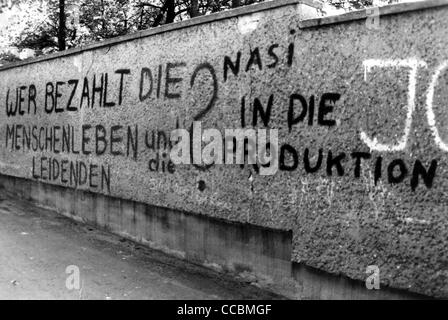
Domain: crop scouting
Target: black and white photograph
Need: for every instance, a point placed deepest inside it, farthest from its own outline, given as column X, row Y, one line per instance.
column 223, row 158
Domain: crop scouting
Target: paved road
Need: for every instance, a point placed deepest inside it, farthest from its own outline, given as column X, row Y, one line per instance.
column 37, row 245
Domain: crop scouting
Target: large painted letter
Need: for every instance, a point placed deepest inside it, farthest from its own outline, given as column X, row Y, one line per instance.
column 429, row 110
column 413, row 65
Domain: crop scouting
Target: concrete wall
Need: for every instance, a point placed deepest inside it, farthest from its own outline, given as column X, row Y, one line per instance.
column 257, row 255
column 377, row 88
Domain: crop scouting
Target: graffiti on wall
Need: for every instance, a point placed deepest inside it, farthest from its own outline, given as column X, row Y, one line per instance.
column 55, row 146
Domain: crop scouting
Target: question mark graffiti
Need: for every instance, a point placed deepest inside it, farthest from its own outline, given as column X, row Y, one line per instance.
column 203, row 66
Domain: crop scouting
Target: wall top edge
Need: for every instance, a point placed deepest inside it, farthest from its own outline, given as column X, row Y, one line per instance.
column 364, row 13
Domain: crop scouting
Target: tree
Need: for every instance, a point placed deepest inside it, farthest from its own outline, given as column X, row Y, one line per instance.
column 236, row 3
column 8, row 57
column 170, row 11
column 194, row 8
column 61, row 26
column 70, row 23
column 49, row 32
column 103, row 19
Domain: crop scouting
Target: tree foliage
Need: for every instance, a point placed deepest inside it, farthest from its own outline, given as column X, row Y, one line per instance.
column 95, row 20
column 44, row 27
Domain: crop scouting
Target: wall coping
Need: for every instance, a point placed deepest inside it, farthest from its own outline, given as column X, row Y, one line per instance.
column 304, row 24
column 364, row 13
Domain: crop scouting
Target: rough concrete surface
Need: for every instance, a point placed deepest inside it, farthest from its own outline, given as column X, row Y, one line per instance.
column 370, row 94
column 38, row 245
